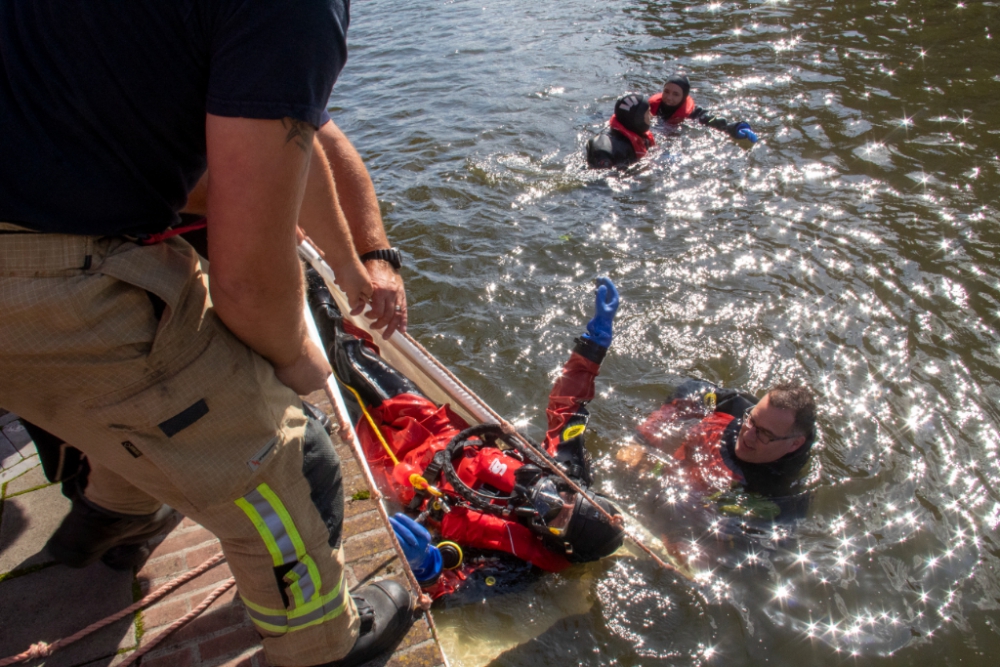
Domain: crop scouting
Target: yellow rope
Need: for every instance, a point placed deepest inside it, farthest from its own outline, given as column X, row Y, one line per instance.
column 371, row 422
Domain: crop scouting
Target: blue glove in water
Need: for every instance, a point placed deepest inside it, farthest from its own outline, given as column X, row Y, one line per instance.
column 743, row 131
column 599, row 328
column 424, row 557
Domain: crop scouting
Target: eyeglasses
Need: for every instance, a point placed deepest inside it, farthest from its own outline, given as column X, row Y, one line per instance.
column 764, row 436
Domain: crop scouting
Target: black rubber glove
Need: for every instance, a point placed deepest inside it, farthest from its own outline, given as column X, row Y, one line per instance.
column 718, row 122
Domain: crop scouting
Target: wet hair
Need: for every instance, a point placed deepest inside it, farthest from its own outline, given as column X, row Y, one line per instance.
column 792, row 395
column 631, row 112
column 681, row 82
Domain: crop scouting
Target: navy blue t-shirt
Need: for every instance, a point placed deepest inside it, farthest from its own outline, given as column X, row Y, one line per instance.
column 103, row 102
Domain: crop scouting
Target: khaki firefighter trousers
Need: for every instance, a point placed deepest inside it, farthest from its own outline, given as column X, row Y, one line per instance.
column 115, row 348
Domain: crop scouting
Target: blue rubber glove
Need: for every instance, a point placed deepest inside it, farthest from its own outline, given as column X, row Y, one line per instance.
column 743, row 131
column 424, row 557
column 599, row 328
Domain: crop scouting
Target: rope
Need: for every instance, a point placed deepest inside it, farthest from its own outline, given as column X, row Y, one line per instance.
column 371, row 422
column 508, row 428
column 423, row 600
column 43, row 650
column 182, row 621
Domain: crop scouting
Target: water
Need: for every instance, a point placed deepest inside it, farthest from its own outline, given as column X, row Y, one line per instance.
column 855, row 246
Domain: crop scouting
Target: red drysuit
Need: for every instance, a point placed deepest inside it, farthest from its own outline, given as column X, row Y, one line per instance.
column 686, row 109
column 415, row 429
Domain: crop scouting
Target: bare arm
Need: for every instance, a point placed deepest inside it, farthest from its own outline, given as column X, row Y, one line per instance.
column 354, row 199
column 360, row 206
column 323, row 220
column 259, row 170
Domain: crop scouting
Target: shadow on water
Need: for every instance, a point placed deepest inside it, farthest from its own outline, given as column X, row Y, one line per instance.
column 854, row 246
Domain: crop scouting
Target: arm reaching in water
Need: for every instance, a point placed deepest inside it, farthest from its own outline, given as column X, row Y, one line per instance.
column 567, row 412
column 738, row 130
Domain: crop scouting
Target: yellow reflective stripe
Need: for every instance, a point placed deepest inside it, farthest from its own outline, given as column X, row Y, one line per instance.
column 573, row 431
column 273, row 620
column 322, row 619
column 280, row 621
column 284, row 543
column 261, row 526
column 313, row 574
column 264, row 610
column 286, row 519
column 319, row 611
column 292, row 532
column 316, row 603
column 295, row 587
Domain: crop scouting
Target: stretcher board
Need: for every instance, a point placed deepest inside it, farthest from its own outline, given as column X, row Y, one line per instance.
column 474, row 635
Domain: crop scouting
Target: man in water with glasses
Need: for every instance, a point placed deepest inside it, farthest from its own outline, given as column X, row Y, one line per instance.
column 760, row 445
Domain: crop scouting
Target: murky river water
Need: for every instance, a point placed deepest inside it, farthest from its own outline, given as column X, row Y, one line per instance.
column 855, row 246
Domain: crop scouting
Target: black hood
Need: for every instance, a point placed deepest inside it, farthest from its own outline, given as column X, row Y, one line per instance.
column 631, row 112
column 682, row 82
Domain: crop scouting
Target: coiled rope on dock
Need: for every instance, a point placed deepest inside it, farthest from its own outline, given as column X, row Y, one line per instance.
column 43, row 649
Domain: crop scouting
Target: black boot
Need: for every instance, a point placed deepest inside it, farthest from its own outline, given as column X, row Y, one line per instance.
column 89, row 532
column 386, row 612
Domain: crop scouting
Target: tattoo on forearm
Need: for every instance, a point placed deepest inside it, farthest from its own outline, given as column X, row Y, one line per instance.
column 300, row 132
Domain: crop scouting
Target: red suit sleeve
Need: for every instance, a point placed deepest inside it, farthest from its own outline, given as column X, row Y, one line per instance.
column 571, row 392
column 656, row 428
column 485, row 531
column 702, row 449
column 663, row 427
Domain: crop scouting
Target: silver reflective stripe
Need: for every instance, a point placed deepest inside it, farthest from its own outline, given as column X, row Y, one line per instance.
column 274, row 525
column 272, row 622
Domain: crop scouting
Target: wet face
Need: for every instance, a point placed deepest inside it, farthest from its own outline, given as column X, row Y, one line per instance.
column 648, row 117
column 672, row 94
column 768, row 433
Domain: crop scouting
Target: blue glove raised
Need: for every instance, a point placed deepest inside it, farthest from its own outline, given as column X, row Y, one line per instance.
column 424, row 557
column 599, row 328
column 743, row 131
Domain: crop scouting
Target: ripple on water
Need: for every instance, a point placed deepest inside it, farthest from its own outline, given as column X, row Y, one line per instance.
column 854, row 246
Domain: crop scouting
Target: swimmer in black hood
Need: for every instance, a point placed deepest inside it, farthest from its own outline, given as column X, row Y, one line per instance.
column 674, row 104
column 627, row 137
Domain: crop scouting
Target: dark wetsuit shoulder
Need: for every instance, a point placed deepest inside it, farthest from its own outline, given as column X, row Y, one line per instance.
column 734, row 402
column 610, row 149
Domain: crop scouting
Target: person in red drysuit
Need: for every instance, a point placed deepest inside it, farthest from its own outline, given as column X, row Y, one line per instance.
column 761, row 446
column 415, row 429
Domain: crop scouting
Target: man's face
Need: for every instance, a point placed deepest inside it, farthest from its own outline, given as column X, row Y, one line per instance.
column 672, row 94
column 648, row 117
column 768, row 433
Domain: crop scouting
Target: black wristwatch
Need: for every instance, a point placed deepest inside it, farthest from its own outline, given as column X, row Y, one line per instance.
column 390, row 255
